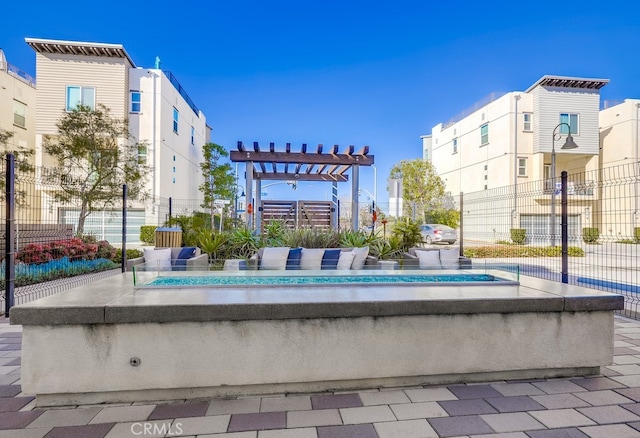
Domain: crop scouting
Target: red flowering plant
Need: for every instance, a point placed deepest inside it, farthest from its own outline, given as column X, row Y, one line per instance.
column 35, row 254
column 74, row 249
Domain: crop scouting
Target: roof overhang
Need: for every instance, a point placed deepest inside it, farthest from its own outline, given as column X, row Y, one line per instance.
column 79, row 48
column 569, row 82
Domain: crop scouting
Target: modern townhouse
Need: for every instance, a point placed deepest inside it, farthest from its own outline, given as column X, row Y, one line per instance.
column 161, row 115
column 620, row 164
column 509, row 139
column 17, row 105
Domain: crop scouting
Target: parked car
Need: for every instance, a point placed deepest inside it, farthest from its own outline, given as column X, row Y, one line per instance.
column 432, row 233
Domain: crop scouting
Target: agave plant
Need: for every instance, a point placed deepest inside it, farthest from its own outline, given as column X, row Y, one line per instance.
column 274, row 232
column 386, row 249
column 356, row 239
column 212, row 243
column 243, row 243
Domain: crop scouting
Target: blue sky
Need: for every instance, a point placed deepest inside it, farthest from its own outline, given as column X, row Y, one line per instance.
column 346, row 72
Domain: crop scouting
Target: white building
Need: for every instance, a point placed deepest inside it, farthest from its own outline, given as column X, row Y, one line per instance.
column 507, row 139
column 159, row 111
column 619, row 213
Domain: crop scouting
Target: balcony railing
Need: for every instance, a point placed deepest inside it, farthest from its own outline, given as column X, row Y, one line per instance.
column 16, row 72
column 574, row 188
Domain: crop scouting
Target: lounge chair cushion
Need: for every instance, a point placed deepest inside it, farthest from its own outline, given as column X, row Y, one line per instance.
column 429, row 259
column 330, row 258
column 275, row 258
column 359, row 257
column 293, row 260
column 311, row 258
column 449, row 258
column 187, row 252
column 157, row 259
column 345, row 260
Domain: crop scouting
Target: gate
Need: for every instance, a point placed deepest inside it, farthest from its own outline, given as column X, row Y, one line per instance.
column 298, row 214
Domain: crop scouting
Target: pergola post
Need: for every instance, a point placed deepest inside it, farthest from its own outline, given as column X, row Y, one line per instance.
column 355, row 181
column 249, row 193
column 257, row 209
column 334, row 204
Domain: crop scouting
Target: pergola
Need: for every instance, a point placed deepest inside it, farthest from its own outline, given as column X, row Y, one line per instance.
column 306, row 165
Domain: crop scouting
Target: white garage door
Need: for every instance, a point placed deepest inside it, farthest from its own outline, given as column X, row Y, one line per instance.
column 539, row 228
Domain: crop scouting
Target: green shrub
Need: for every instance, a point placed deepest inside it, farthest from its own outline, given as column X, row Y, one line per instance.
column 216, row 245
column 355, row 239
column 518, row 235
column 590, row 235
column 148, row 234
column 131, row 254
column 408, row 233
column 636, row 234
column 513, row 251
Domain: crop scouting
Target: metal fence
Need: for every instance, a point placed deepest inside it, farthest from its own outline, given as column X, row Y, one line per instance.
column 602, row 225
column 602, row 220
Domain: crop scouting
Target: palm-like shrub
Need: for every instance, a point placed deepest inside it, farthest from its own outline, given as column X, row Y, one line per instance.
column 408, row 233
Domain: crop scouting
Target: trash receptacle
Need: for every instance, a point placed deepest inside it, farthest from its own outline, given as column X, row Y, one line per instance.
column 167, row 237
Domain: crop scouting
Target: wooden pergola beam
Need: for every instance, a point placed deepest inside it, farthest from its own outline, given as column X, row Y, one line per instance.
column 300, row 177
column 300, row 158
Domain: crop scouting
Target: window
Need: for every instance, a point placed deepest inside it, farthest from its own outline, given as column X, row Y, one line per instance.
column 522, row 166
column 193, row 135
column 455, row 145
column 135, row 101
column 19, row 114
column 484, row 134
column 175, row 120
column 527, row 118
column 570, row 119
column 142, row 154
column 77, row 95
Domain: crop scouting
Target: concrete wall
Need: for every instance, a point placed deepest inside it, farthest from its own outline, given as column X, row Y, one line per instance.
column 265, row 356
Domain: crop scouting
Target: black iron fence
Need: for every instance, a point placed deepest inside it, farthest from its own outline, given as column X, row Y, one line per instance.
column 520, row 224
column 523, row 224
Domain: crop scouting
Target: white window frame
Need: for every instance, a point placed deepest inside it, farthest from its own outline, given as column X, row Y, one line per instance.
column 176, row 117
column 522, row 167
column 455, row 145
column 575, row 127
column 484, row 138
column 193, row 136
column 527, row 125
column 81, row 90
column 19, row 114
column 133, row 102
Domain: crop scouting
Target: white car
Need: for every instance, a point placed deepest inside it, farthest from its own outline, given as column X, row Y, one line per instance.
column 432, row 233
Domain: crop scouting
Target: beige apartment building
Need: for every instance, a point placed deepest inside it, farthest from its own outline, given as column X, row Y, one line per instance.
column 17, row 105
column 160, row 113
column 509, row 139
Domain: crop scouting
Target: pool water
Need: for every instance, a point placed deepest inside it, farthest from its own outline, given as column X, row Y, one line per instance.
column 441, row 279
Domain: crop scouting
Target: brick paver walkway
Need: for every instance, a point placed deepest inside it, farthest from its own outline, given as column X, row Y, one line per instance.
column 604, row 406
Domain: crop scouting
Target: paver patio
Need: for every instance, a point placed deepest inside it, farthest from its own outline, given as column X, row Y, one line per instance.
column 602, row 406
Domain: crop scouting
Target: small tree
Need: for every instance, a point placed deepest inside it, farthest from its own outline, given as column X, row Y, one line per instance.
column 219, row 182
column 421, row 186
column 95, row 157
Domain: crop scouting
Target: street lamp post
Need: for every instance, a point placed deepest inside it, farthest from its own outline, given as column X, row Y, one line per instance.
column 568, row 144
